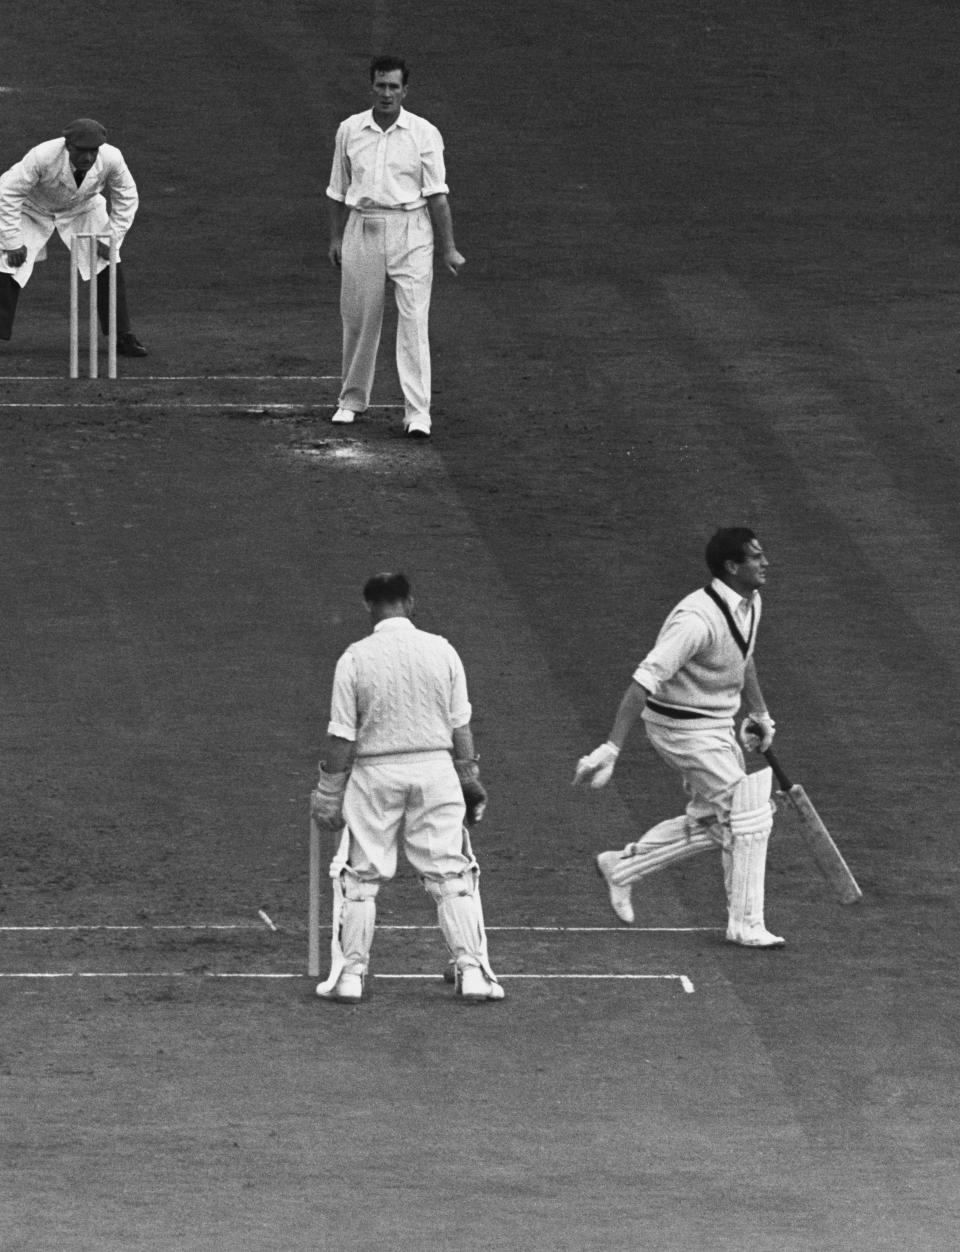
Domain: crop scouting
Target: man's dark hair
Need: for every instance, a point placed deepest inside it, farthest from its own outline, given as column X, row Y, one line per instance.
column 386, row 65
column 728, row 544
column 386, row 589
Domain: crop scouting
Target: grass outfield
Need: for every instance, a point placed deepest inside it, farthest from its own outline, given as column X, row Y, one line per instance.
column 710, row 257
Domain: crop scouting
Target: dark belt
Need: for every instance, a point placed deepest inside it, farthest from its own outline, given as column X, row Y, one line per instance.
column 680, row 714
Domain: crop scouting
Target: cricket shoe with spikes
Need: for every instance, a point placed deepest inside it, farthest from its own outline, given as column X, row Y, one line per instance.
column 619, row 896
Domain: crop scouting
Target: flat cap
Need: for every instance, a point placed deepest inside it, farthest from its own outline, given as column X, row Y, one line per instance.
column 84, row 132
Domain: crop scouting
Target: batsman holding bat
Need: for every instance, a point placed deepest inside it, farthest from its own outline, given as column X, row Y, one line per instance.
column 399, row 761
column 688, row 690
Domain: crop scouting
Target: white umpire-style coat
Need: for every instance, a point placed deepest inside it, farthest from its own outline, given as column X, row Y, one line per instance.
column 39, row 195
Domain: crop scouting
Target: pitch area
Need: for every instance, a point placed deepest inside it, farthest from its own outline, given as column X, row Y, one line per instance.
column 710, row 255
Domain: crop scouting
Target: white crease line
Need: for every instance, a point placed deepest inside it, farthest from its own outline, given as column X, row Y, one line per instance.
column 684, row 981
column 579, row 930
column 681, row 978
column 107, row 974
column 179, row 378
column 583, row 930
column 249, row 406
column 105, row 926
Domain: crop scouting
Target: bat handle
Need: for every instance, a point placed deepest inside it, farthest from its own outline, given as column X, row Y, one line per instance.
column 778, row 770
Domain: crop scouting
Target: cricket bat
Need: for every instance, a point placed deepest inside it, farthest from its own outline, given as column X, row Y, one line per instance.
column 313, row 921
column 816, row 836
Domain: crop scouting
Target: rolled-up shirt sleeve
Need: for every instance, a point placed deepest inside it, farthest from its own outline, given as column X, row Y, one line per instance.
column 343, row 701
column 682, row 636
column 340, row 168
column 433, row 171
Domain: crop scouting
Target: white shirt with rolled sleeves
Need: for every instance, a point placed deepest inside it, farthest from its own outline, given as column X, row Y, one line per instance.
column 386, row 178
column 396, row 168
column 39, row 195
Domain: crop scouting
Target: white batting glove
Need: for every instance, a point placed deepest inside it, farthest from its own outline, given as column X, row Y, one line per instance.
column 326, row 800
column 597, row 768
column 757, row 731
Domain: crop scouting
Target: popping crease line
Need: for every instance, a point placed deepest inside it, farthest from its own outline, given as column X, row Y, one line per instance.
column 184, row 378
column 253, row 926
column 249, row 406
column 685, row 982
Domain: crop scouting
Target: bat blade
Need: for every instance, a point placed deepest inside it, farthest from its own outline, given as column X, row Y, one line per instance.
column 336, row 868
column 313, row 905
column 816, row 836
column 824, row 851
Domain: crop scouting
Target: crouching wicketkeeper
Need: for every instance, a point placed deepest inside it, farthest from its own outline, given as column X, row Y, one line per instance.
column 74, row 185
column 399, row 757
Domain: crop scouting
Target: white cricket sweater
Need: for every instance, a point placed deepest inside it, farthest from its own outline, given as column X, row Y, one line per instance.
column 399, row 690
column 696, row 664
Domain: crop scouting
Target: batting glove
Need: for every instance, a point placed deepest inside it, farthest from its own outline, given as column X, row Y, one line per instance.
column 597, row 768
column 757, row 731
column 326, row 801
column 474, row 792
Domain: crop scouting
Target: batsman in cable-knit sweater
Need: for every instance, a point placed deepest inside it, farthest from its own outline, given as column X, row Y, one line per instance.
column 688, row 691
column 399, row 761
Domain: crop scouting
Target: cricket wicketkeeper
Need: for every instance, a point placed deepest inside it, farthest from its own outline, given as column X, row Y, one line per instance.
column 59, row 186
column 399, row 761
column 688, row 690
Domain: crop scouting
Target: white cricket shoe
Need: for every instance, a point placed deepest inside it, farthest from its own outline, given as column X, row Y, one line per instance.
column 473, row 984
column 755, row 937
column 343, row 417
column 417, row 428
column 619, row 896
column 347, row 990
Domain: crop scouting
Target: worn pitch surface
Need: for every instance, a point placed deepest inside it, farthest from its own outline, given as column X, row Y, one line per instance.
column 711, row 280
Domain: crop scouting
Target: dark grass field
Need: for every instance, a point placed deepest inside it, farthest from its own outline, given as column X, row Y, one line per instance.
column 712, row 255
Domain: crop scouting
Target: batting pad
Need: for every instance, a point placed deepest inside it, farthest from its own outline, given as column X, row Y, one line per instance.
column 751, row 812
column 461, row 918
column 357, row 924
column 751, row 820
column 665, row 844
column 747, row 872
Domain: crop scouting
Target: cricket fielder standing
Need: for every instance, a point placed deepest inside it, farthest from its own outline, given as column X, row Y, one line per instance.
column 59, row 186
column 399, row 761
column 387, row 201
column 688, row 691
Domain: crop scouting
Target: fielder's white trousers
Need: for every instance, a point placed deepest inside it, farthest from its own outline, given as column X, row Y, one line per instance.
column 418, row 799
column 37, row 230
column 379, row 246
